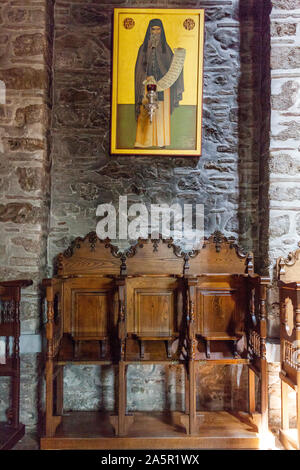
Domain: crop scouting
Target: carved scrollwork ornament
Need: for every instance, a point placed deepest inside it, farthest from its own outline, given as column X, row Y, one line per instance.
column 68, row 252
column 290, row 260
column 130, row 252
column 155, row 242
column 93, row 240
column 59, row 262
column 218, row 238
column 75, row 244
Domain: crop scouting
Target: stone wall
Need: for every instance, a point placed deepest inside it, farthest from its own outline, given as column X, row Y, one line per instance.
column 284, row 192
column 284, row 162
column 85, row 175
column 25, row 73
column 225, row 179
column 231, row 178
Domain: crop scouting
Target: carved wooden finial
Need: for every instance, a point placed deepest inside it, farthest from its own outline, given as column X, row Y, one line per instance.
column 250, row 265
column 92, row 237
column 218, row 237
column 281, row 266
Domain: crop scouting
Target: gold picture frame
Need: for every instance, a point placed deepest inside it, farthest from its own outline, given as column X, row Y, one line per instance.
column 157, row 81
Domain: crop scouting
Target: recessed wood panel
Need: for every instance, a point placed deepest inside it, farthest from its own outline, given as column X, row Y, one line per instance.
column 91, row 286
column 153, row 305
column 90, row 314
column 154, row 312
column 216, row 312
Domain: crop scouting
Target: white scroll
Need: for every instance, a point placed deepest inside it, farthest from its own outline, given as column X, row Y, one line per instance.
column 174, row 71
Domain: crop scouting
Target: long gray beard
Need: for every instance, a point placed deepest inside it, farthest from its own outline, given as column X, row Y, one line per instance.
column 154, row 39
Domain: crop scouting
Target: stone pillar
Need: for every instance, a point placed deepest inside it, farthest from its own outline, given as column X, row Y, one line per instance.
column 284, row 191
column 25, row 105
column 284, row 163
column 253, row 128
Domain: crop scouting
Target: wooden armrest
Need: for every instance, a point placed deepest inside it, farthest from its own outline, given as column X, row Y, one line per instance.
column 90, row 338
column 155, row 337
column 17, row 283
column 221, row 336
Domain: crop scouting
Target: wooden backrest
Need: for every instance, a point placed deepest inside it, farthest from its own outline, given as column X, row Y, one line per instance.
column 89, row 256
column 154, row 289
column 220, row 255
column 154, row 294
column 222, row 270
column 87, row 269
column 154, row 256
column 89, row 307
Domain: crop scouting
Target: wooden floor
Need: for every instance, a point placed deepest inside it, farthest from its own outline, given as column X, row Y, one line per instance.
column 10, row 436
column 92, row 430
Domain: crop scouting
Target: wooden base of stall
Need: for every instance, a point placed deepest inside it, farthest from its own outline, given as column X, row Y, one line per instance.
column 92, row 430
column 9, row 436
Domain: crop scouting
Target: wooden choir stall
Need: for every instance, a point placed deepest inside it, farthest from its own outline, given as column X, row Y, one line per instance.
column 12, row 430
column 155, row 304
column 288, row 275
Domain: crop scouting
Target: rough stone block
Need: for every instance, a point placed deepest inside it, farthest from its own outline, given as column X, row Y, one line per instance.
column 287, row 96
column 20, row 213
column 24, row 144
column 23, row 78
column 279, row 226
column 286, row 4
column 284, row 193
column 28, row 244
column 284, row 164
column 291, row 131
column 283, row 29
column 29, row 115
column 89, row 15
column 31, row 179
column 229, row 39
column 17, row 15
column 285, row 57
column 29, row 44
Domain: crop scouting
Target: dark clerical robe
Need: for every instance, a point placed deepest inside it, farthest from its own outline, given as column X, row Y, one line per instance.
column 155, row 62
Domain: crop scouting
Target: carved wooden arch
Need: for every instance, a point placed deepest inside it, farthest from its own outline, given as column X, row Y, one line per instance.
column 156, row 256
column 288, row 269
column 90, row 255
column 220, row 255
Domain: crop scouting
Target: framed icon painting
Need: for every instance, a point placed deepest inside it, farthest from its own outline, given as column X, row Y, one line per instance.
column 157, row 81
